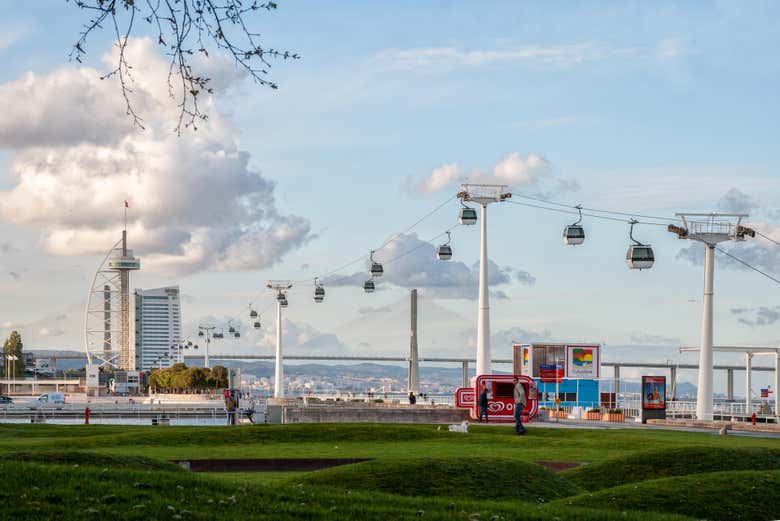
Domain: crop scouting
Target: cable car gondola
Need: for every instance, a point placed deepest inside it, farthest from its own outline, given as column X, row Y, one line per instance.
column 376, row 269
column 252, row 314
column 444, row 251
column 368, row 286
column 237, row 334
column 231, row 330
column 200, row 333
column 218, row 335
column 468, row 215
column 574, row 234
column 639, row 256
column 256, row 325
column 319, row 292
column 283, row 302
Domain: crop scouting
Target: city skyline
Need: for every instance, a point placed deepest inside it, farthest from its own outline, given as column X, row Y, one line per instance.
column 361, row 141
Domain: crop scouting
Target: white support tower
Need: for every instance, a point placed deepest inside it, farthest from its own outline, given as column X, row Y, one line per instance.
column 414, row 358
column 107, row 316
column 280, row 286
column 483, row 195
column 710, row 229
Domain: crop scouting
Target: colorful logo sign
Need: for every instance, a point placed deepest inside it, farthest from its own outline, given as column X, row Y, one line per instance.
column 582, row 361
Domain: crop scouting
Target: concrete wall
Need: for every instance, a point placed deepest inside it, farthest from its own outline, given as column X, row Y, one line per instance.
column 368, row 414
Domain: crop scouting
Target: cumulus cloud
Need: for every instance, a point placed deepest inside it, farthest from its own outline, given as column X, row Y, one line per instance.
column 441, row 177
column 530, row 171
column 195, row 202
column 415, row 266
column 525, row 278
column 298, row 335
column 736, row 201
column 760, row 316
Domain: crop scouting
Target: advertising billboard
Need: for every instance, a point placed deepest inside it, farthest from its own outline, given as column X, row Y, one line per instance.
column 44, row 366
column 653, row 392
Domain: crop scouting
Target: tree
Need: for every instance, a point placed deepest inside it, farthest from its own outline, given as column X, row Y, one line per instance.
column 183, row 28
column 219, row 377
column 13, row 347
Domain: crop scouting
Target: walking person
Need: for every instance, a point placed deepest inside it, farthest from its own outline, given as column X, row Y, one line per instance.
column 519, row 394
column 412, row 398
column 483, row 404
column 230, row 407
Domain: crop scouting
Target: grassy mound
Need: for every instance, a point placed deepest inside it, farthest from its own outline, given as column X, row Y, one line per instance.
column 81, row 436
column 91, row 459
column 747, row 494
column 671, row 462
column 479, row 478
column 56, row 492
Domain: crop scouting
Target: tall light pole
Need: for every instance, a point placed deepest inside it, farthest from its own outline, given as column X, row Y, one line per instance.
column 709, row 229
column 483, row 195
column 280, row 286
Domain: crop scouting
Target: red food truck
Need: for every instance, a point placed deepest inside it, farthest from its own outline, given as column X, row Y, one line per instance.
column 501, row 402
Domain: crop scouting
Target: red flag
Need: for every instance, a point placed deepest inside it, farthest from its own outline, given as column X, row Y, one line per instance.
column 126, row 205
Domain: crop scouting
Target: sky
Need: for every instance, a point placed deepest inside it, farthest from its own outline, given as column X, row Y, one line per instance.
column 622, row 106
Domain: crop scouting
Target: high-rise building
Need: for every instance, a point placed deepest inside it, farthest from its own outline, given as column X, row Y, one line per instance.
column 157, row 327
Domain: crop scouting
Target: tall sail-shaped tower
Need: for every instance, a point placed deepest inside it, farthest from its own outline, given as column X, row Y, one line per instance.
column 107, row 317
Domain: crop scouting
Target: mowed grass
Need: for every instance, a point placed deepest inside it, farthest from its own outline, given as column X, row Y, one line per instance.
column 487, row 478
column 679, row 461
column 416, row 471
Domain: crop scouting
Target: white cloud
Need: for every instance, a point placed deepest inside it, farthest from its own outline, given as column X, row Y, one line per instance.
column 525, row 278
column 298, row 335
column 452, row 57
column 530, row 171
column 516, row 169
column 653, row 339
column 441, row 177
column 414, row 265
column 195, row 202
column 760, row 316
column 736, row 201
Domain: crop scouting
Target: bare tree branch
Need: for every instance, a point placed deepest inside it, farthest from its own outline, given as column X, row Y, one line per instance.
column 183, row 27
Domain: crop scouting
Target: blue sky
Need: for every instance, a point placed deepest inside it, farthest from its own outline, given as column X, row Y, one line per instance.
column 648, row 108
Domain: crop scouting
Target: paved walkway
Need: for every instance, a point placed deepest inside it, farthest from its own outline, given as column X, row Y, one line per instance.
column 583, row 424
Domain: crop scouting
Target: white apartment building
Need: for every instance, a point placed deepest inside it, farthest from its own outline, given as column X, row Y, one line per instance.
column 157, row 327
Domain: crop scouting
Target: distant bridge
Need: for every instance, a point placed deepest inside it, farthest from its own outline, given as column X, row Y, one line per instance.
column 616, row 366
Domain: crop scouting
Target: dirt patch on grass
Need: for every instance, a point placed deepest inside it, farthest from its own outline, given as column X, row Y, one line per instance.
column 559, row 466
column 264, row 465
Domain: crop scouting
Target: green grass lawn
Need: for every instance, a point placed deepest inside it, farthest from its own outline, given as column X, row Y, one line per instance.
column 415, row 472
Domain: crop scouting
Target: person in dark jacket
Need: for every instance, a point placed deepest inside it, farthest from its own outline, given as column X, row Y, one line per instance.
column 520, row 399
column 412, row 398
column 483, row 404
